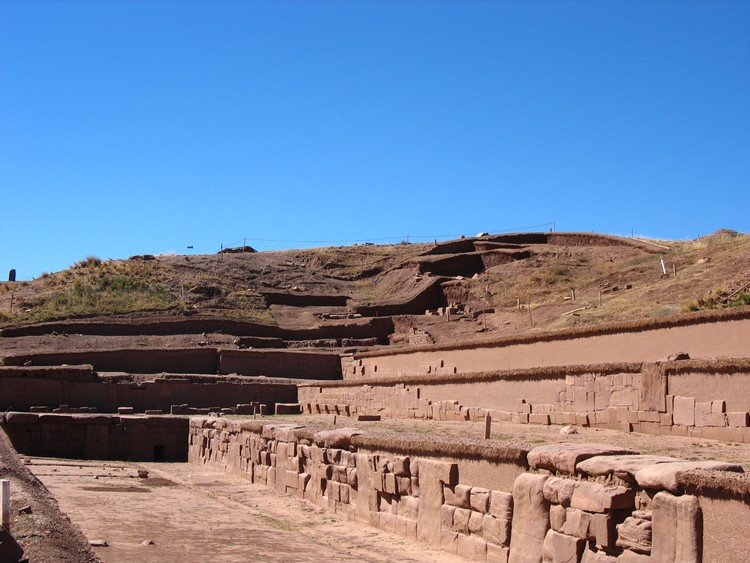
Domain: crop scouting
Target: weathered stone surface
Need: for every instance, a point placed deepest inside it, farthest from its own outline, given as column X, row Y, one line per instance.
column 475, row 522
column 654, row 388
column 496, row 553
column 683, row 411
column 559, row 548
column 577, row 523
column 461, row 520
column 564, row 457
column 462, row 496
column 591, row 556
column 429, row 519
column 662, row 476
column 338, row 438
column 623, row 466
column 633, row 557
column 530, row 518
column 587, row 495
column 472, row 547
column 677, row 528
column 447, row 513
column 557, row 514
column 479, row 499
column 635, row 534
column 496, row 530
column 501, row 504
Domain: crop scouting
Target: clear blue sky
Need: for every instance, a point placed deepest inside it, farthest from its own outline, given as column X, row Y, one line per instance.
column 145, row 127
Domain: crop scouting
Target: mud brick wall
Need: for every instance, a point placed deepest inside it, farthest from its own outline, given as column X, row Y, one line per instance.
column 628, row 397
column 79, row 386
column 135, row 438
column 135, row 360
column 561, row 502
column 709, row 335
column 281, row 363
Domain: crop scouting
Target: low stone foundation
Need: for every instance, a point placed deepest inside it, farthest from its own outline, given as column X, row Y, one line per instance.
column 85, row 436
column 485, row 501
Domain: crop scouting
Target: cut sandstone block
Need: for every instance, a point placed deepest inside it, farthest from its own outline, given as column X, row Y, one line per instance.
column 479, row 499
column 623, row 466
column 564, row 457
column 662, row 476
column 559, row 548
column 496, row 530
column 635, row 534
column 530, row 518
column 501, row 505
column 587, row 495
column 677, row 528
column 683, row 411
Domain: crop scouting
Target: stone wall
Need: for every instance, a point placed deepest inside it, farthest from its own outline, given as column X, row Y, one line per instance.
column 724, row 334
column 281, row 363
column 81, row 436
column 132, row 360
column 486, row 502
column 80, row 386
column 629, row 397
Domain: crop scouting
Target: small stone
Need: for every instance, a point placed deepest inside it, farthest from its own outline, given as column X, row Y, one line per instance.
column 569, row 429
column 142, row 474
column 98, row 543
column 147, row 542
column 24, row 510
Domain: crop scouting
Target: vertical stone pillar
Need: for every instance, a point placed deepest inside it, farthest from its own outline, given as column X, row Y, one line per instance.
column 677, row 528
column 432, row 476
column 530, row 518
column 5, row 504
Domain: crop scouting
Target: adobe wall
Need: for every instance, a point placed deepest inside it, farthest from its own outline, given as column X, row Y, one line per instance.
column 483, row 501
column 99, row 436
column 133, row 360
column 79, row 386
column 711, row 335
column 700, row 398
column 281, row 363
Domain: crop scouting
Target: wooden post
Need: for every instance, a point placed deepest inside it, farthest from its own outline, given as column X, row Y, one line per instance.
column 5, row 504
column 334, row 420
column 674, row 269
column 573, row 294
column 487, row 427
column 518, row 302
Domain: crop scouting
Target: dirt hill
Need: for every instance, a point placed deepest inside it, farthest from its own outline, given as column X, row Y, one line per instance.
column 502, row 284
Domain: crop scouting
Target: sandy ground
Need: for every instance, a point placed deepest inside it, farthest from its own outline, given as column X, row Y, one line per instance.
column 192, row 513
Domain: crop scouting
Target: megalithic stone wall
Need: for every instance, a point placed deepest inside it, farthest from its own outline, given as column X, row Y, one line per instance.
column 562, row 502
column 697, row 398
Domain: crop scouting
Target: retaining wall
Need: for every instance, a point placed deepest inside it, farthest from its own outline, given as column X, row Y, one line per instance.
column 80, row 386
column 483, row 501
column 281, row 363
column 701, row 335
column 699, row 398
column 133, row 360
column 135, row 438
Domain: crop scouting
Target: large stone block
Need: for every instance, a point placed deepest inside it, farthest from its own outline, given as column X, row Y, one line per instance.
column 432, row 477
column 622, row 466
column 663, row 476
column 530, row 518
column 479, row 499
column 587, row 495
column 559, row 548
column 496, row 530
column 635, row 534
column 683, row 411
column 501, row 504
column 677, row 527
column 564, row 457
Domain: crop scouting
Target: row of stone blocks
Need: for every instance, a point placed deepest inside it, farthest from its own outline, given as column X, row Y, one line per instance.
column 574, row 502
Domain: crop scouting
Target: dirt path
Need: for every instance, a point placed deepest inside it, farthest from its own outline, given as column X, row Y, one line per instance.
column 196, row 514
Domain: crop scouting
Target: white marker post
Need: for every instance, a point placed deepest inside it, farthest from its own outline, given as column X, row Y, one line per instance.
column 5, row 503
